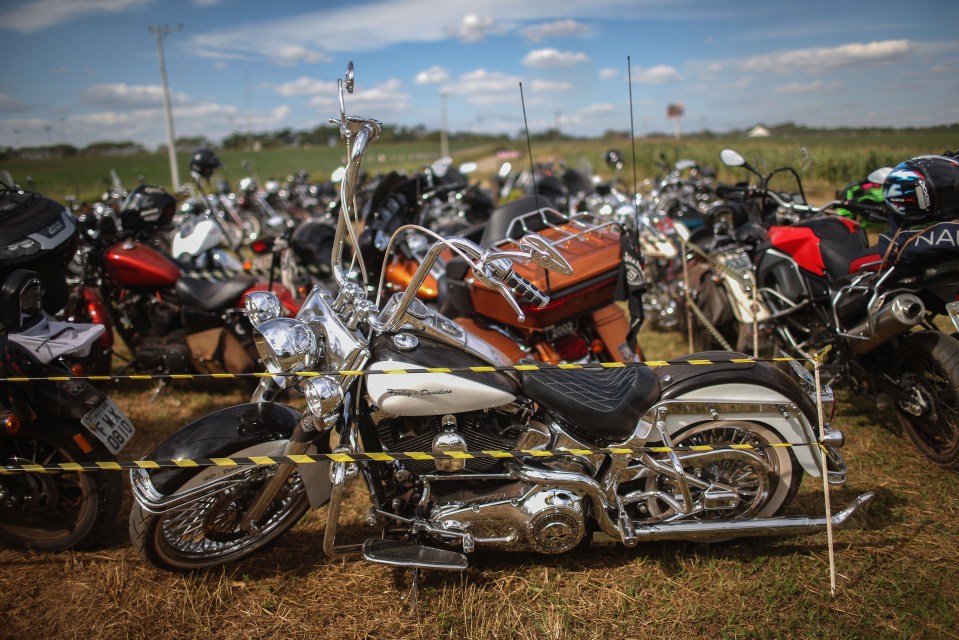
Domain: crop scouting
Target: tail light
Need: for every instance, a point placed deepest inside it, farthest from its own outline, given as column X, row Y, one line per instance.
column 260, row 246
column 11, row 424
column 571, row 347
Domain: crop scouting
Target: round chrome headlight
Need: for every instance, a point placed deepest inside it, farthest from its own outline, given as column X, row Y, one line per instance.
column 286, row 346
column 324, row 397
column 261, row 306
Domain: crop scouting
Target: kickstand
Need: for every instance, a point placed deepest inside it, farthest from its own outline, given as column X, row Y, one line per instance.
column 411, row 597
column 161, row 385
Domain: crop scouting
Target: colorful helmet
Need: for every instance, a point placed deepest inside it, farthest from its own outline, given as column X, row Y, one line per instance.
column 204, row 162
column 923, row 190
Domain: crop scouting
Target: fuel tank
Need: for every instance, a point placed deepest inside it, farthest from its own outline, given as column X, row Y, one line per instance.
column 131, row 264
column 427, row 394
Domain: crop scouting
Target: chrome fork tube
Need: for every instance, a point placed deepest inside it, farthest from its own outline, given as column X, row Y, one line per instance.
column 299, row 443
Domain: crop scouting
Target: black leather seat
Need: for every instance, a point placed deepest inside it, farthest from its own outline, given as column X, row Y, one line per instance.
column 213, row 296
column 601, row 405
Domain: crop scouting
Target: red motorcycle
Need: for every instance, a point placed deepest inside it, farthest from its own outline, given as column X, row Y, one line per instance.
column 169, row 323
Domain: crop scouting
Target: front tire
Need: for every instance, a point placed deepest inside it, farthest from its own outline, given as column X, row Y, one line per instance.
column 927, row 365
column 204, row 533
column 61, row 510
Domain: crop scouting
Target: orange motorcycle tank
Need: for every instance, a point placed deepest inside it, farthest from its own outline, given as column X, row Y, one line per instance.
column 594, row 257
column 399, row 274
column 136, row 265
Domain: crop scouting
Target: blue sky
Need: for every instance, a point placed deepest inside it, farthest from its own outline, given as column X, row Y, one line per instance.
column 86, row 70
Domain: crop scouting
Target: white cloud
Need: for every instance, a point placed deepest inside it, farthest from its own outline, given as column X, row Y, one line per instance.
column 374, row 25
column 305, row 86
column 35, row 15
column 660, row 74
column 817, row 86
column 486, row 87
column 548, row 86
column 434, row 75
column 557, row 29
column 9, row 104
column 384, row 98
column 221, row 66
column 608, row 73
column 817, row 60
column 473, row 28
column 293, row 54
column 130, row 96
column 548, row 58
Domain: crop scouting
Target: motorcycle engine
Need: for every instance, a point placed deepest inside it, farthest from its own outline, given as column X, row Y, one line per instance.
column 464, row 432
column 517, row 517
column 506, row 514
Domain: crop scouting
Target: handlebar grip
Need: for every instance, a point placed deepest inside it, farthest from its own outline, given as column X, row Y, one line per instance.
column 526, row 290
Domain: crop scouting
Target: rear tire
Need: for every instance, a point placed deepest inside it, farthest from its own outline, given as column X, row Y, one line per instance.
column 764, row 495
column 60, row 510
column 927, row 365
column 204, row 532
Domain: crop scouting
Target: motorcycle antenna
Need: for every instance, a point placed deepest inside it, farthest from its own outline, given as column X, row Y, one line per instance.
column 529, row 146
column 532, row 173
column 632, row 139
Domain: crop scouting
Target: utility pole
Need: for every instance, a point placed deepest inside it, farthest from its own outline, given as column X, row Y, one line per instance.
column 160, row 31
column 444, row 132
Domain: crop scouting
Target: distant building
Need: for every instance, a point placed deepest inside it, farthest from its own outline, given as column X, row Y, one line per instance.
column 758, row 131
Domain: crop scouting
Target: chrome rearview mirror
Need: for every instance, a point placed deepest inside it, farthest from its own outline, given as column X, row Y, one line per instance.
column 345, row 85
column 545, row 254
column 731, row 158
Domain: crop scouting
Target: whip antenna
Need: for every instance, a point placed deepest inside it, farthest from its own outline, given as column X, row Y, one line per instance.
column 529, row 147
column 632, row 139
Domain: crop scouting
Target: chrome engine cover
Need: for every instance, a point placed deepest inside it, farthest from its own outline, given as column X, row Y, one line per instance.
column 527, row 517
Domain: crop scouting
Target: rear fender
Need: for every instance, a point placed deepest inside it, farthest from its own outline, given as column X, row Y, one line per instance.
column 756, row 392
column 252, row 429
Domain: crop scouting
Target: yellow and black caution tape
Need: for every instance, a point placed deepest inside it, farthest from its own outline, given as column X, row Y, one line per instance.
column 372, row 457
column 367, row 372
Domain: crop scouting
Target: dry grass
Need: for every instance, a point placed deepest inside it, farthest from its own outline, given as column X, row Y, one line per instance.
column 897, row 567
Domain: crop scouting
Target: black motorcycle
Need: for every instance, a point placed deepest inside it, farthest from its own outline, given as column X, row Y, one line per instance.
column 45, row 422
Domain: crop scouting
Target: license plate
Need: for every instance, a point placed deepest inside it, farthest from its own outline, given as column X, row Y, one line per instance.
column 559, row 330
column 110, row 425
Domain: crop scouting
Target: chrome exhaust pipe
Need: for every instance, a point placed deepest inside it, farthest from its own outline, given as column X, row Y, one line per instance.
column 747, row 528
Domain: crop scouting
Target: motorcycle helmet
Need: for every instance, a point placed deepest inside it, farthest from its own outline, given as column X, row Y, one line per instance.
column 923, row 190
column 147, row 207
column 614, row 159
column 204, row 162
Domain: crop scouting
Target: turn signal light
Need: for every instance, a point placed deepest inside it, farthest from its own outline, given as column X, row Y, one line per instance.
column 11, row 424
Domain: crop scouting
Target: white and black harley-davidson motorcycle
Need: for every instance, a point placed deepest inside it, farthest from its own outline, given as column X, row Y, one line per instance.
column 720, row 474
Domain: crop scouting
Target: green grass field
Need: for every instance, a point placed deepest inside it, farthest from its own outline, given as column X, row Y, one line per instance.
column 834, row 160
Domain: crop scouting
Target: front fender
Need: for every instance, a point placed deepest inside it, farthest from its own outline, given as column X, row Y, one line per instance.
column 257, row 428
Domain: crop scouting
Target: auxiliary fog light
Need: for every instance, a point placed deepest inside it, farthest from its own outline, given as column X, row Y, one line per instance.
column 261, row 306
column 324, row 397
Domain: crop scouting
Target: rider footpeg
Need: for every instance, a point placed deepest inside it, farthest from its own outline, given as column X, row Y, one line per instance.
column 414, row 556
column 626, row 529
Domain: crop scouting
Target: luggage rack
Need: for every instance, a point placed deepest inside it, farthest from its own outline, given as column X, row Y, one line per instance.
column 582, row 226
